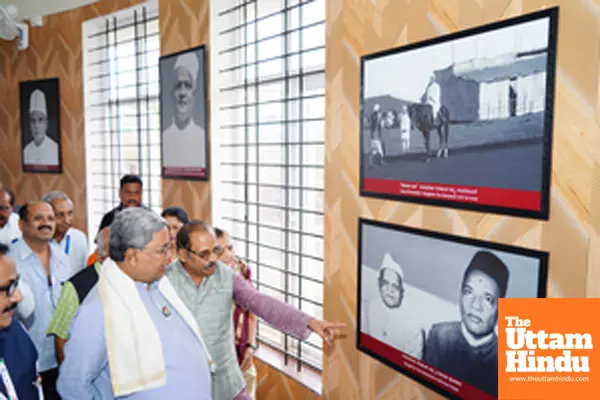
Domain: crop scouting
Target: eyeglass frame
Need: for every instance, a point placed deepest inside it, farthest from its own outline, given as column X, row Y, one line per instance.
column 11, row 288
column 205, row 254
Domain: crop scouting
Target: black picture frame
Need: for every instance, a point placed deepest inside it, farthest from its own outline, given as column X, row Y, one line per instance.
column 44, row 156
column 415, row 278
column 182, row 150
column 492, row 173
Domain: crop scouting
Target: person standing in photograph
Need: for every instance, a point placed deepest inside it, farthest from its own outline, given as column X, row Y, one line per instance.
column 184, row 141
column 387, row 317
column 468, row 349
column 377, row 147
column 404, row 124
column 41, row 150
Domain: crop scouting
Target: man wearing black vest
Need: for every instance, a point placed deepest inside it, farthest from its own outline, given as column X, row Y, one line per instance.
column 72, row 295
column 130, row 194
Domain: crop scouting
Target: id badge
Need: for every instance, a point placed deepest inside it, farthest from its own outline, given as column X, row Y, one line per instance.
column 7, row 381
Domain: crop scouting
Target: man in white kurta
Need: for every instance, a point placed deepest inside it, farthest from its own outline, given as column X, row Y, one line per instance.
column 432, row 95
column 184, row 141
column 392, row 317
column 404, row 124
column 41, row 150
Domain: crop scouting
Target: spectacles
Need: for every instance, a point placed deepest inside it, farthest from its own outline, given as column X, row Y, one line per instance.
column 5, row 208
column 205, row 254
column 11, row 287
column 162, row 251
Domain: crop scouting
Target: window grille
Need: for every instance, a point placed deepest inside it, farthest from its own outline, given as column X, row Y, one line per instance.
column 268, row 151
column 122, row 121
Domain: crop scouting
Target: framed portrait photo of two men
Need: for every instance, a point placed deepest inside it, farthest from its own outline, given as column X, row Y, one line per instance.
column 183, row 115
column 428, row 303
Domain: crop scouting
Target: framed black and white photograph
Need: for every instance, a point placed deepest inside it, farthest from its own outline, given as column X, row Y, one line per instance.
column 183, row 115
column 40, row 126
column 463, row 120
column 428, row 303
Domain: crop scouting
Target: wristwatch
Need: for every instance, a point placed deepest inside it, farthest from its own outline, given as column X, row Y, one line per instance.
column 253, row 347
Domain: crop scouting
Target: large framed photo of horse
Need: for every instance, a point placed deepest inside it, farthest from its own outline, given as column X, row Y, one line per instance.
column 463, row 120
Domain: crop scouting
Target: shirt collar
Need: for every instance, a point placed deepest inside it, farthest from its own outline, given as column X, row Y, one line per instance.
column 473, row 341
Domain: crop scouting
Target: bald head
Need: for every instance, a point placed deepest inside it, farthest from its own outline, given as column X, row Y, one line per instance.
column 193, row 227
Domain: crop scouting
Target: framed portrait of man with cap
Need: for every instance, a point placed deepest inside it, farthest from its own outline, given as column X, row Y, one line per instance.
column 183, row 115
column 40, row 126
column 428, row 303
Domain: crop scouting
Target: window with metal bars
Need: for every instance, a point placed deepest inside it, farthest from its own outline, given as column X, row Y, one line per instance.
column 268, row 119
column 122, row 121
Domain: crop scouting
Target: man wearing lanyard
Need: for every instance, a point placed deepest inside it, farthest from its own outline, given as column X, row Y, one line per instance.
column 73, row 242
column 18, row 373
column 43, row 267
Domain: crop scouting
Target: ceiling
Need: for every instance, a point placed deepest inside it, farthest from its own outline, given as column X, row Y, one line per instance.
column 33, row 8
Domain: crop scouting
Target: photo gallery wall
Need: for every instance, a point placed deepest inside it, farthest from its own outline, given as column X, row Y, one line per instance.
column 460, row 121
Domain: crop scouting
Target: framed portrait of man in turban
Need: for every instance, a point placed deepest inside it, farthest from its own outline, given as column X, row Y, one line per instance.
column 183, row 115
column 40, row 126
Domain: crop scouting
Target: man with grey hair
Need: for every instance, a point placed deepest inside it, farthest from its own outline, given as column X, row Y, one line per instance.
column 73, row 242
column 74, row 291
column 184, row 141
column 121, row 338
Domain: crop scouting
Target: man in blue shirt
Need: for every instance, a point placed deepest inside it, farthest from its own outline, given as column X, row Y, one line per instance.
column 43, row 268
column 17, row 352
column 132, row 337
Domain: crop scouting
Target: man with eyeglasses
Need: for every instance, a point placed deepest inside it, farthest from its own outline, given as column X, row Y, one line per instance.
column 9, row 221
column 208, row 288
column 44, row 267
column 18, row 356
column 133, row 337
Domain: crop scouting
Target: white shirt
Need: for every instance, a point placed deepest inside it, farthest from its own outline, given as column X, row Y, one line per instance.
column 405, row 125
column 433, row 97
column 45, row 154
column 400, row 327
column 184, row 148
column 11, row 230
column 44, row 293
column 75, row 246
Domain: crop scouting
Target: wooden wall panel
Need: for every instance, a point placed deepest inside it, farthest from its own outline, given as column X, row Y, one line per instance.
column 54, row 51
column 183, row 25
column 357, row 27
column 274, row 385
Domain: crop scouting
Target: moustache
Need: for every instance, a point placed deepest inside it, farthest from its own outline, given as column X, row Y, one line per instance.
column 10, row 307
column 3, row 218
column 210, row 265
column 44, row 227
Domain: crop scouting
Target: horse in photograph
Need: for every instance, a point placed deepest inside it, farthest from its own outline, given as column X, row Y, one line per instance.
column 422, row 118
